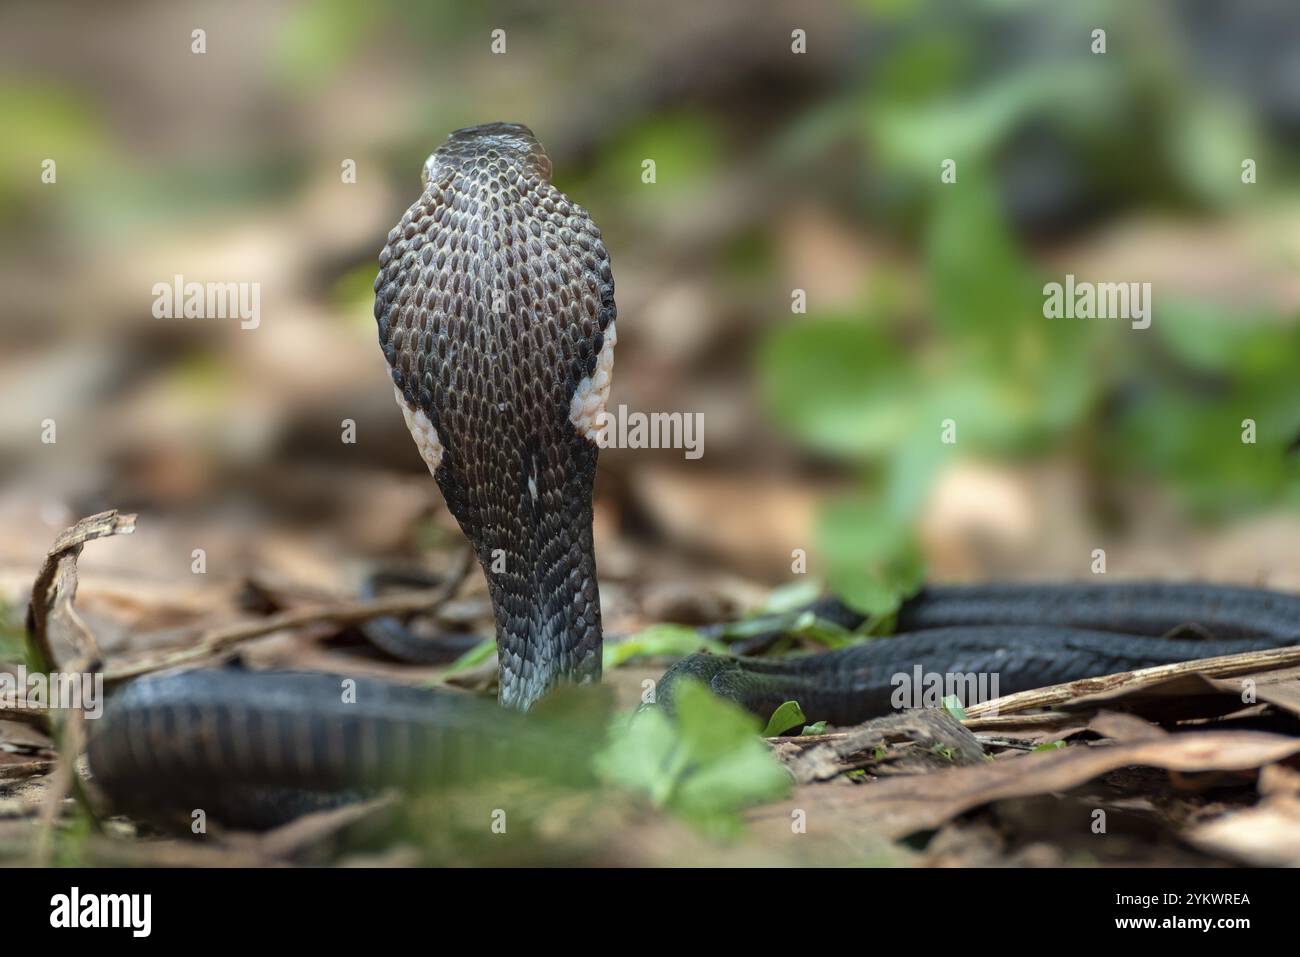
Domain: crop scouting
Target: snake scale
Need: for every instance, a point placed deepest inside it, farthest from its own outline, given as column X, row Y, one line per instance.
column 495, row 310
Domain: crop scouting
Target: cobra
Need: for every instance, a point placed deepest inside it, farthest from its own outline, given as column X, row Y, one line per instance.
column 495, row 305
column 496, row 314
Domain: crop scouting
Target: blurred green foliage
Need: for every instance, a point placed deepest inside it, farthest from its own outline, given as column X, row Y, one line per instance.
column 688, row 155
column 704, row 764
column 1151, row 126
column 871, row 386
column 1213, row 372
column 316, row 39
column 43, row 121
column 13, row 636
column 659, row 640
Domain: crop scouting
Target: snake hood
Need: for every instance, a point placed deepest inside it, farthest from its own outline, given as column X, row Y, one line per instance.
column 495, row 307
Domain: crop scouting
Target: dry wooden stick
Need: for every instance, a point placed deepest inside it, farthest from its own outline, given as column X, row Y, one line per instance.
column 20, row 772
column 72, row 739
column 38, row 716
column 1224, row 666
column 51, row 605
column 1044, row 721
column 60, row 569
column 60, row 564
column 217, row 640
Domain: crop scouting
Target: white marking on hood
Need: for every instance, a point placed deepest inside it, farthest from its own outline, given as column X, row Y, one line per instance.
column 422, row 430
column 588, row 403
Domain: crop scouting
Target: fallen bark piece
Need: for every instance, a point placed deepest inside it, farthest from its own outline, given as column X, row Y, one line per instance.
column 1250, row 663
column 899, row 806
column 1279, row 688
column 856, row 748
column 17, row 770
column 1187, row 696
column 1026, row 730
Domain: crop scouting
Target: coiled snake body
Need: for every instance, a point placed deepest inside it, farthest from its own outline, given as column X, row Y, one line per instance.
column 495, row 311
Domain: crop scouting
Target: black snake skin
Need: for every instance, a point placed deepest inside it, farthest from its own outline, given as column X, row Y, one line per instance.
column 493, row 299
column 982, row 662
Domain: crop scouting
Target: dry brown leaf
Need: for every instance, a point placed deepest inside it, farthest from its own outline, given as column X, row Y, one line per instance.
column 1279, row 780
column 1280, row 688
column 1267, row 835
column 903, row 805
column 1126, row 728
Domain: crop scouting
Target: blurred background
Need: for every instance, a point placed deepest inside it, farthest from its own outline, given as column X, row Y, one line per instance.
column 776, row 171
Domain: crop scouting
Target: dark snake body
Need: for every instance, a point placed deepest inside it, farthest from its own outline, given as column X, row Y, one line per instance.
column 493, row 302
column 493, row 298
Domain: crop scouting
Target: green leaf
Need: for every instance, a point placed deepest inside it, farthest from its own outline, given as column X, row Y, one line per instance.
column 480, row 653
column 1188, row 428
column 712, row 793
column 1208, row 137
column 13, row 636
column 642, row 756
column 825, row 633
column 786, row 716
column 792, row 596
column 804, row 625
column 839, row 384
column 981, row 289
column 662, row 640
column 705, row 764
column 874, row 562
column 944, row 751
column 952, row 704
column 914, row 136
column 711, row 726
column 759, row 624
